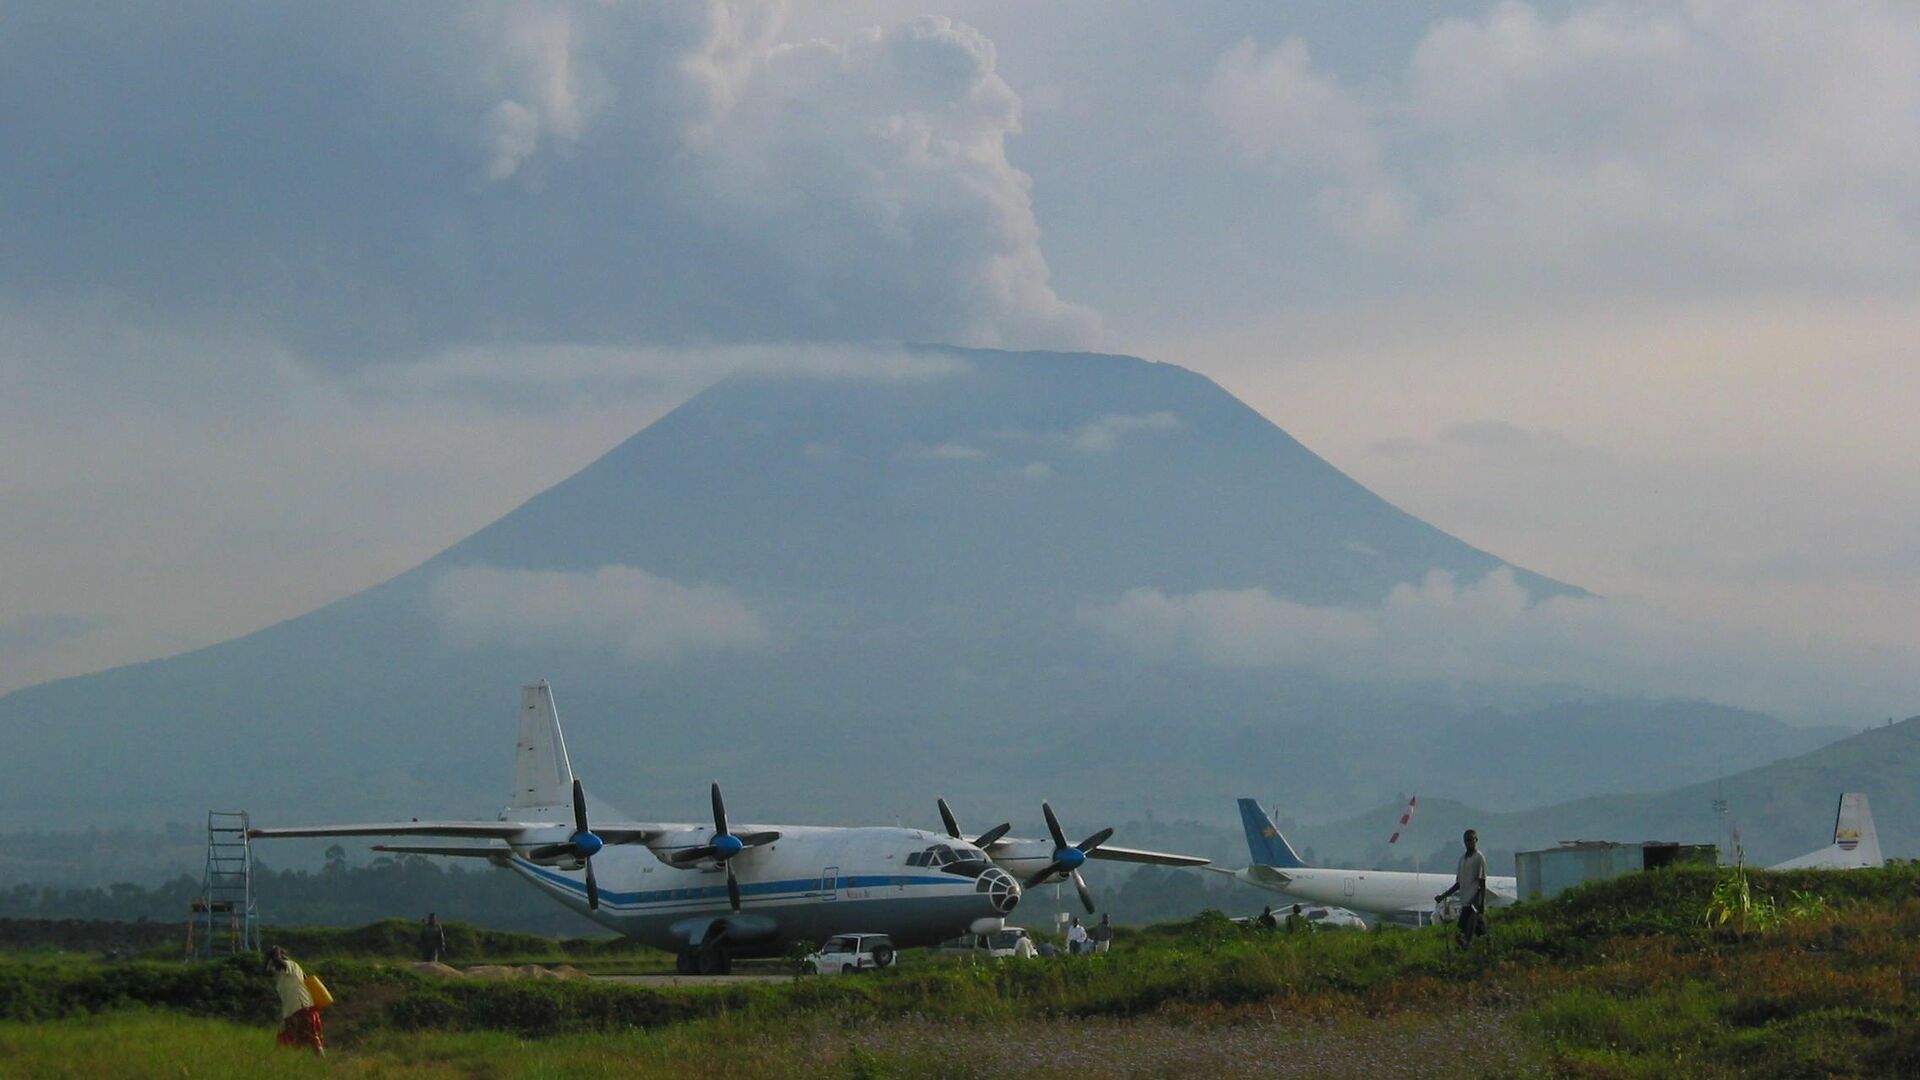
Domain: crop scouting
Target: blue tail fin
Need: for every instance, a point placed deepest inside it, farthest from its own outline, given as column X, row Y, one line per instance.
column 1264, row 841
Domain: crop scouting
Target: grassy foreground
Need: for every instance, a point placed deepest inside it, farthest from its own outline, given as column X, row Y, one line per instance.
column 1623, row 979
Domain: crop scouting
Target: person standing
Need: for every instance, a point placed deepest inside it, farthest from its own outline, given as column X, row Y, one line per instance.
column 433, row 939
column 1023, row 948
column 1297, row 922
column 299, row 1017
column 1470, row 882
column 1102, row 935
column 1266, row 920
column 1076, row 938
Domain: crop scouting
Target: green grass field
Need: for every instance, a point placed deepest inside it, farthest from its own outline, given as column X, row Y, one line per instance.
column 1623, row 979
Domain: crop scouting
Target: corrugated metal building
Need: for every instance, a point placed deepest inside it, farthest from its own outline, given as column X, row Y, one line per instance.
column 1552, row 871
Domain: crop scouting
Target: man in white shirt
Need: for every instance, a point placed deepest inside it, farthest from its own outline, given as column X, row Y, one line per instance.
column 1076, row 938
column 1470, row 881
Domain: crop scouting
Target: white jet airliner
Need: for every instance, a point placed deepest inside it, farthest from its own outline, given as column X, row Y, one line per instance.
column 1395, row 895
column 1855, row 843
column 710, row 893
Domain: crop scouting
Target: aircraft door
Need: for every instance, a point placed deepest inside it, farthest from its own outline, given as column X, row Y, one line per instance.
column 1348, row 890
column 830, row 883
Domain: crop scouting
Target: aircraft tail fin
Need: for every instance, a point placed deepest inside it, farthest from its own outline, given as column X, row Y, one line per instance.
column 1853, row 830
column 542, row 775
column 1264, row 841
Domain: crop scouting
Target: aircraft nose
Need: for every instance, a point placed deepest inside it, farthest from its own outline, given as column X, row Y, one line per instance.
column 1000, row 889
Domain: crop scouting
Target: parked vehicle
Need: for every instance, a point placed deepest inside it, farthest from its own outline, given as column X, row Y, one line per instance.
column 844, row 954
column 999, row 944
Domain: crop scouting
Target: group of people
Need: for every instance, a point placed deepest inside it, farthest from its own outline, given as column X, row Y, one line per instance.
column 1084, row 942
column 1296, row 922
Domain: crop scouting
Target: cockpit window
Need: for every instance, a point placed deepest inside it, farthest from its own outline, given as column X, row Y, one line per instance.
column 937, row 855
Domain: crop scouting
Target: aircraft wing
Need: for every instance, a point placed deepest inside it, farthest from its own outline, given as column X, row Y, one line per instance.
column 479, row 830
column 469, row 851
column 1134, row 855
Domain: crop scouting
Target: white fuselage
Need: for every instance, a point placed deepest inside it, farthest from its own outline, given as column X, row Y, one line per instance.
column 1382, row 893
column 811, row 883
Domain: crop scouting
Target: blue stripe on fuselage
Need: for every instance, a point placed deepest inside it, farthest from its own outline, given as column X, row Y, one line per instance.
column 792, row 888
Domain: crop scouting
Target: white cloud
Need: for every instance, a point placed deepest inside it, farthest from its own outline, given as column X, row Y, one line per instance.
column 1492, row 632
column 578, row 174
column 616, row 607
column 947, row 451
column 1104, row 434
column 1101, row 435
column 1635, row 143
column 1281, row 113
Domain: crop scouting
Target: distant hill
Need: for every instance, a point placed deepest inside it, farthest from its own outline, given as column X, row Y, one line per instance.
column 839, row 594
column 1781, row 809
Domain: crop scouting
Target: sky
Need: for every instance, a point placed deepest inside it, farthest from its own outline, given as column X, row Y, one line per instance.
column 294, row 296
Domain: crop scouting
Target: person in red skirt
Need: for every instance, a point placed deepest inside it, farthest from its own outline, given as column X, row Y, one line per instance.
column 299, row 1017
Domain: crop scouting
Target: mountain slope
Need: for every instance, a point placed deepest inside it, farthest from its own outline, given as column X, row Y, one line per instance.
column 828, row 590
column 1781, row 809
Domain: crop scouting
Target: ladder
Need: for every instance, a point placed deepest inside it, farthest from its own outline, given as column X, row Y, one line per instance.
column 221, row 921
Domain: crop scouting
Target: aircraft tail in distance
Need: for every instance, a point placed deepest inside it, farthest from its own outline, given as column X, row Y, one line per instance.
column 1855, row 843
column 1264, row 842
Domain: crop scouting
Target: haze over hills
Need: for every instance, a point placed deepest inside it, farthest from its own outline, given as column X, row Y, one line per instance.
column 1781, row 809
column 840, row 590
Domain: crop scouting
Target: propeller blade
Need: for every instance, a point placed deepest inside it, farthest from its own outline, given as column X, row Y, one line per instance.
column 733, row 888
column 1040, row 878
column 755, row 839
column 1086, row 894
column 593, row 889
column 719, row 811
column 1053, row 827
column 946, row 818
column 693, row 854
column 579, row 807
column 987, row 838
column 1095, row 840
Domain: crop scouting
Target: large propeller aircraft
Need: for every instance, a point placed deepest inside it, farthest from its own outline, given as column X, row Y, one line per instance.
column 655, row 880
column 1038, row 862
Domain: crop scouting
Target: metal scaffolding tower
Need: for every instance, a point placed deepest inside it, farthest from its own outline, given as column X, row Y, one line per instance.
column 222, row 920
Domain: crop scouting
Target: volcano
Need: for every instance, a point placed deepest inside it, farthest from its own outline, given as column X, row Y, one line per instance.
column 838, row 592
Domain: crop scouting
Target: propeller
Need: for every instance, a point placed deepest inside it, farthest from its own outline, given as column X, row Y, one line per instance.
column 724, row 845
column 1068, row 858
column 953, row 827
column 582, row 845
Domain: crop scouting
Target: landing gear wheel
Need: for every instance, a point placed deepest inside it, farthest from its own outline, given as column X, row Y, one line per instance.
column 714, row 960
column 686, row 963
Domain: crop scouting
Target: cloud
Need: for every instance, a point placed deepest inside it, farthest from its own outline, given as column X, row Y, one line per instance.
column 1493, row 632
column 1280, row 113
column 615, row 607
column 1603, row 140
column 1101, row 435
column 948, row 451
column 1104, row 434
column 360, row 188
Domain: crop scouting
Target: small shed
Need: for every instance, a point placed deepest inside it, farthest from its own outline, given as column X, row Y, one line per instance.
column 1552, row 871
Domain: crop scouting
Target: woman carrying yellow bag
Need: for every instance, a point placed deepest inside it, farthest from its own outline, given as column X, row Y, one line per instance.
column 302, row 996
